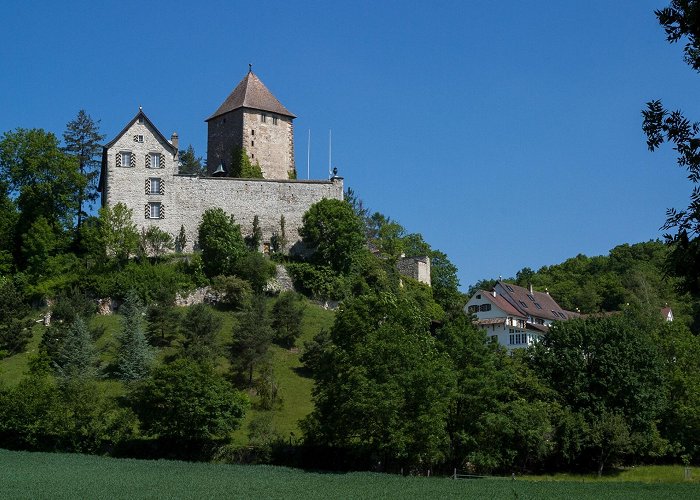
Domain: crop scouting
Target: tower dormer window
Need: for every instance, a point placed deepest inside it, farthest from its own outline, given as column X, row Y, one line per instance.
column 275, row 120
column 263, row 117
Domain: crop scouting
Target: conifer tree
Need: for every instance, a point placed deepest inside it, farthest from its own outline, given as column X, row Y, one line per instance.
column 77, row 356
column 255, row 237
column 251, row 339
column 82, row 140
column 134, row 356
column 181, row 240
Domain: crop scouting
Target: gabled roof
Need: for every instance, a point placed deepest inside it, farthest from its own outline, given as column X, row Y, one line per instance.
column 501, row 303
column 517, row 296
column 146, row 120
column 111, row 143
column 251, row 93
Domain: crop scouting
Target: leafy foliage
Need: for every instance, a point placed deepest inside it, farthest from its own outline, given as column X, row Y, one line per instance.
column 200, row 326
column 241, row 166
column 15, row 328
column 186, row 400
column 221, row 243
column 251, row 339
column 334, row 233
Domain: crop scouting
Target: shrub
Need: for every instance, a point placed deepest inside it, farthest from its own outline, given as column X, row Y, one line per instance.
column 233, row 291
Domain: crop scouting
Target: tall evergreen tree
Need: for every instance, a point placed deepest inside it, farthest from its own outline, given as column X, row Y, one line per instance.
column 78, row 355
column 82, row 140
column 190, row 163
column 200, row 326
column 251, row 339
column 134, row 356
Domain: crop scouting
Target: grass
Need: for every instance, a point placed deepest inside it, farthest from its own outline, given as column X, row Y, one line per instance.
column 295, row 387
column 45, row 475
column 640, row 474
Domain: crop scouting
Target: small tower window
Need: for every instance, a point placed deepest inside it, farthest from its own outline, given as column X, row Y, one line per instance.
column 252, row 132
column 252, row 143
column 263, row 117
column 274, row 120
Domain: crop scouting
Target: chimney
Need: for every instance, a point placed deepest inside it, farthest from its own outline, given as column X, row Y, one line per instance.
column 175, row 141
column 494, row 293
column 530, row 287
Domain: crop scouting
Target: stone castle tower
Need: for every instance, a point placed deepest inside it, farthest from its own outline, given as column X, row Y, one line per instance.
column 252, row 118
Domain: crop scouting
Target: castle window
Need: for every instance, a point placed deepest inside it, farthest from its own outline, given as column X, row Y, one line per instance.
column 252, row 132
column 138, row 138
column 252, row 143
column 154, row 211
column 263, row 117
column 155, row 186
column 125, row 159
column 274, row 120
column 154, row 160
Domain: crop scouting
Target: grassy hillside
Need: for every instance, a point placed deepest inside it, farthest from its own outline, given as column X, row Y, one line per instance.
column 295, row 387
column 43, row 475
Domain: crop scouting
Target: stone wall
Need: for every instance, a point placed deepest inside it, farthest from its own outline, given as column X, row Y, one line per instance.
column 417, row 268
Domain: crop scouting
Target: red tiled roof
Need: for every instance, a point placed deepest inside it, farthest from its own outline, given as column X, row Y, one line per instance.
column 251, row 93
column 549, row 307
column 500, row 302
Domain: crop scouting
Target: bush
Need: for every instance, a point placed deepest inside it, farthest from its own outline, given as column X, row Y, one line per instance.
column 318, row 282
column 256, row 269
column 232, row 291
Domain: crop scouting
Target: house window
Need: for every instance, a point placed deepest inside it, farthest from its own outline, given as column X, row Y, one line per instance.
column 511, row 339
column 537, row 305
column 155, row 186
column 523, row 304
column 530, row 297
column 478, row 296
column 510, row 288
column 274, row 120
column 263, row 117
column 138, row 138
column 155, row 160
column 473, row 309
column 141, row 120
column 154, row 211
column 125, row 159
column 485, row 307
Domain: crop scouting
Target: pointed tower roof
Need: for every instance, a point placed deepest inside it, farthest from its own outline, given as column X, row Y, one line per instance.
column 251, row 93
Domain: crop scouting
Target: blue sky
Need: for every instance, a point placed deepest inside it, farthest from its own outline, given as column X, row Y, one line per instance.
column 507, row 133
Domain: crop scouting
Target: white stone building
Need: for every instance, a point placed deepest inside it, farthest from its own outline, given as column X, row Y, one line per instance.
column 515, row 316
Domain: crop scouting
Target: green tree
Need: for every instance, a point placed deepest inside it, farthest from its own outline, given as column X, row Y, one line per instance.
column 221, row 243
column 333, row 232
column 241, row 166
column 287, row 314
column 118, row 234
column 180, row 240
column 190, row 163
column 77, row 356
column 199, row 327
column 255, row 237
column 188, row 401
column 8, row 227
column 47, row 181
column 155, row 242
column 82, row 140
column 681, row 21
column 134, row 354
column 15, row 327
column 393, row 396
column 278, row 241
column 161, row 316
column 609, row 370
column 251, row 339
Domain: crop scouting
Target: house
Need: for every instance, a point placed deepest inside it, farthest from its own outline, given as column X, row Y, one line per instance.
column 140, row 168
column 514, row 316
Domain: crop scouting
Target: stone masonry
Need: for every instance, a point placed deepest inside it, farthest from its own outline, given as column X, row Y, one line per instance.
column 140, row 169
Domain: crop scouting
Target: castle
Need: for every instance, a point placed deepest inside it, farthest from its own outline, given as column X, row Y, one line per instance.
column 140, row 168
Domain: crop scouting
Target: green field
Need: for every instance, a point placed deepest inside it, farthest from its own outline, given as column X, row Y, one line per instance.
column 46, row 475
